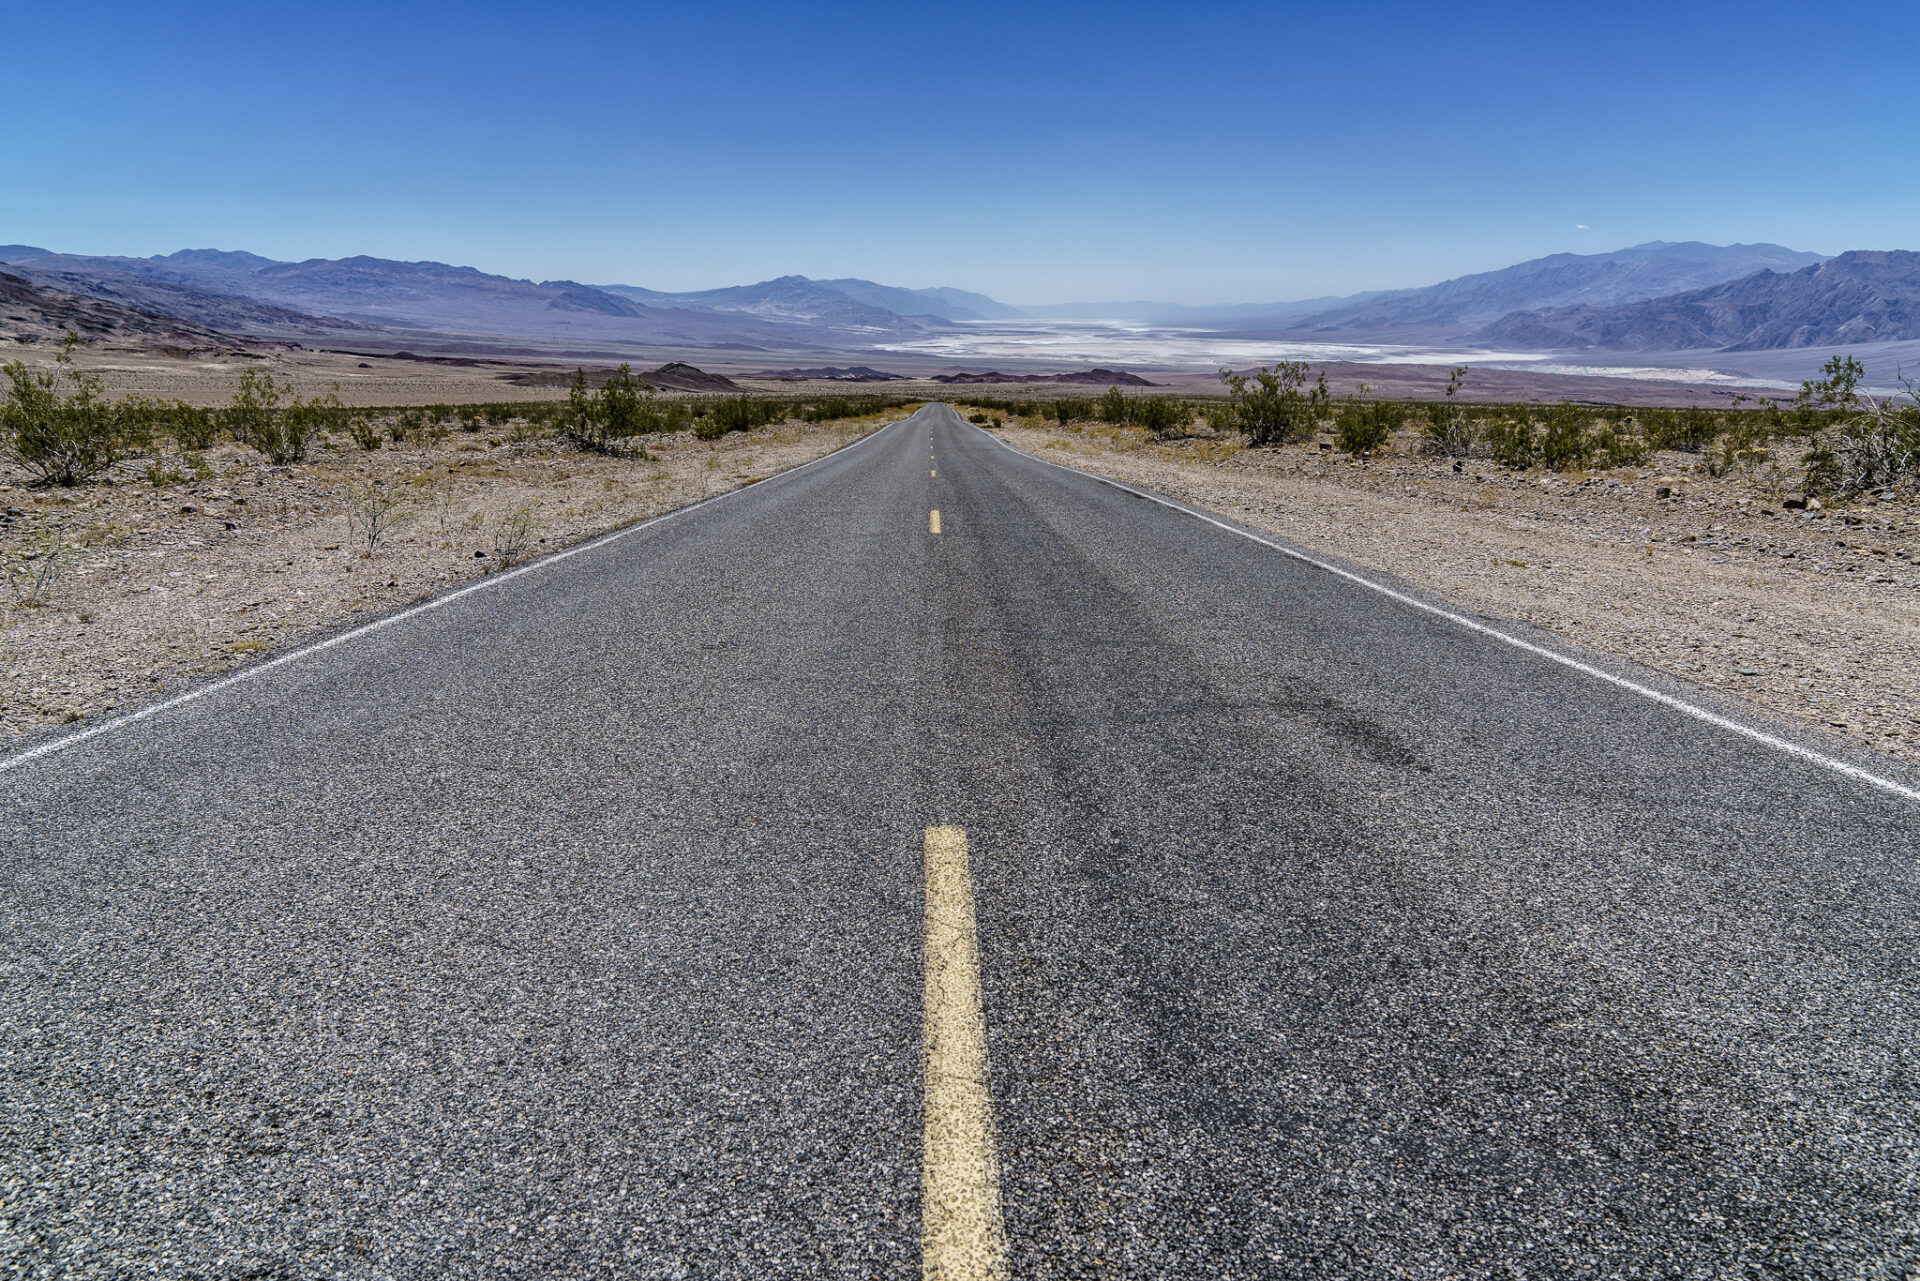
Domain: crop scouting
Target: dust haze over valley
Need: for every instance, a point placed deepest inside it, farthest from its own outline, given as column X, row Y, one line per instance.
column 1685, row 313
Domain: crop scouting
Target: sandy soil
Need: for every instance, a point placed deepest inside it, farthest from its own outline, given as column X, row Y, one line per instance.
column 1813, row 614
column 165, row 584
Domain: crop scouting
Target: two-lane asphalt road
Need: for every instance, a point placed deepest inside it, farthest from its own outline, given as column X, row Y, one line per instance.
column 1164, row 904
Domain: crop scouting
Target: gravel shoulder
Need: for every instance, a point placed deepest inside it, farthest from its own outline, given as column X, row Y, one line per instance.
column 1815, row 615
column 162, row 585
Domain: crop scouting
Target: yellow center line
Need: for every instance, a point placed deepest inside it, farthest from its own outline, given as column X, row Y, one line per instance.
column 962, row 1237
column 936, row 520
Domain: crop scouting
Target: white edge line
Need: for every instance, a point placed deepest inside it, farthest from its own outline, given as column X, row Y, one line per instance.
column 248, row 673
column 1585, row 669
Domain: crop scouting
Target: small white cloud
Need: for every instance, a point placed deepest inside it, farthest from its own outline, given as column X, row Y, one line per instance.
column 1581, row 226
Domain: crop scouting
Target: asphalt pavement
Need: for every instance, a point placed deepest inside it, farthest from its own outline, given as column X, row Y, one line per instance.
column 578, row 926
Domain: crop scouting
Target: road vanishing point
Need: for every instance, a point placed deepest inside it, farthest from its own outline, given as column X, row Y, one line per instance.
column 935, row 862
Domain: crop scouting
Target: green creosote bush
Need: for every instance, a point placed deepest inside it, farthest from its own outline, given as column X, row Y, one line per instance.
column 265, row 416
column 1275, row 406
column 1509, row 440
column 1364, row 426
column 1689, row 430
column 60, row 426
column 738, row 413
column 1621, row 448
column 605, row 422
column 1071, row 409
column 1565, row 442
column 364, row 431
column 1163, row 417
column 192, row 427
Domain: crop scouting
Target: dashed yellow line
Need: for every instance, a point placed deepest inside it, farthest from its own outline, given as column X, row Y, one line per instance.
column 962, row 1236
column 936, row 520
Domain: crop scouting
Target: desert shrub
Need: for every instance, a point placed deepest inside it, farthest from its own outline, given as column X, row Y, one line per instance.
column 60, row 426
column 409, row 425
column 1363, row 426
column 607, row 421
column 304, row 421
column 1006, row 407
column 160, row 475
column 1878, row 439
column 191, row 426
column 626, row 408
column 257, row 417
column 738, row 413
column 375, row 510
column 33, row 572
column 1742, row 448
column 1450, row 430
column 1823, row 470
column 1275, row 406
column 512, row 536
column 1687, row 430
column 1565, row 441
column 1619, row 447
column 364, row 431
column 1162, row 416
column 1072, row 409
column 1509, row 440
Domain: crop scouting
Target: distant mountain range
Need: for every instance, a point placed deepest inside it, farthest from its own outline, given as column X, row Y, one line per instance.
column 1626, row 275
column 245, row 293
column 1857, row 298
column 1660, row 296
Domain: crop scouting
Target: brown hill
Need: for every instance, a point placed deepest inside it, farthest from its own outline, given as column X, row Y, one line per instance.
column 33, row 313
column 1088, row 377
column 672, row 376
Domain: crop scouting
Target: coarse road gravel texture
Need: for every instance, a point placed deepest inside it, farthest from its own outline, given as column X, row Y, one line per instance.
column 573, row 928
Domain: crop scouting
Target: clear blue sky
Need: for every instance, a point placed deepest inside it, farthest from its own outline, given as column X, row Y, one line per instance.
column 1038, row 152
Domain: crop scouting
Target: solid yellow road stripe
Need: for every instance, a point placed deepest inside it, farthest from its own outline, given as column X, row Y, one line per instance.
column 936, row 520
column 962, row 1237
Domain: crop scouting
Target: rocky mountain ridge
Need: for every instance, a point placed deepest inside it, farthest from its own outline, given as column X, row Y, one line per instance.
column 1860, row 297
